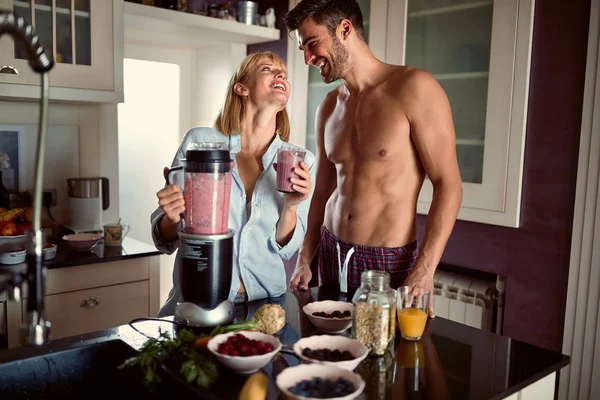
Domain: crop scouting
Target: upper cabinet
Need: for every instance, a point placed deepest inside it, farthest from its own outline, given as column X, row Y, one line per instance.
column 479, row 51
column 85, row 39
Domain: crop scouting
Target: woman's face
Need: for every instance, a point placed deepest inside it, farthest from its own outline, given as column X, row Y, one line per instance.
column 267, row 84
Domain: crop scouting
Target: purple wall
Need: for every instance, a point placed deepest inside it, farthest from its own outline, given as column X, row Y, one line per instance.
column 278, row 46
column 535, row 257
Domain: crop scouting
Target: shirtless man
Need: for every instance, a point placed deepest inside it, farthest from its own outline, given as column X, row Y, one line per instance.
column 378, row 134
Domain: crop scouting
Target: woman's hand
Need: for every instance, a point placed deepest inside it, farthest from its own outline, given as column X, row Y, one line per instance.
column 302, row 185
column 171, row 201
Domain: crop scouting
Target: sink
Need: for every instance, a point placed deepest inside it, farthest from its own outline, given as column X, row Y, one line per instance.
column 84, row 371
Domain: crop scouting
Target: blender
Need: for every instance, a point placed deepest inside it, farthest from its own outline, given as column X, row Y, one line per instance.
column 205, row 242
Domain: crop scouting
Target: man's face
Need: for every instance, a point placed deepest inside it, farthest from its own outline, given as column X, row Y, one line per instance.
column 327, row 54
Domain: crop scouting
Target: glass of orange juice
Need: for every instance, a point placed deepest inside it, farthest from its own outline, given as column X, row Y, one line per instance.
column 412, row 312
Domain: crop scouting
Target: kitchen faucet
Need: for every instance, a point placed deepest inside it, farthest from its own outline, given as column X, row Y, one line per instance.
column 37, row 330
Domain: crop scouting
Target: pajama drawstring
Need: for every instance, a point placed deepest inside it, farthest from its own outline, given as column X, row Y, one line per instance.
column 343, row 272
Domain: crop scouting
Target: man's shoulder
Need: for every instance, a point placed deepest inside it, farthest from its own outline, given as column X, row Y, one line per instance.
column 404, row 76
column 329, row 101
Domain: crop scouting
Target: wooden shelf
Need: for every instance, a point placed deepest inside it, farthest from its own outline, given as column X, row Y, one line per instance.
column 449, row 9
column 154, row 25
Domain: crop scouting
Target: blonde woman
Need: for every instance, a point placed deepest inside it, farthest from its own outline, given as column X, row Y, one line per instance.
column 269, row 226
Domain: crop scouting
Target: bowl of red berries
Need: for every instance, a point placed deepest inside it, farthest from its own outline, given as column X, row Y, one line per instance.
column 244, row 352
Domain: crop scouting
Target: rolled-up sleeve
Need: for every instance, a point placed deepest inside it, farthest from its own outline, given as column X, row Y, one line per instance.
column 287, row 251
column 161, row 245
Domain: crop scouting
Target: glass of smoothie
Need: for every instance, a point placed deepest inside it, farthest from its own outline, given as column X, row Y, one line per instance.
column 288, row 158
column 412, row 312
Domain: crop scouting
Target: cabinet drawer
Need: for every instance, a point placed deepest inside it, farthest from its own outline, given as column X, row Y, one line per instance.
column 62, row 280
column 96, row 309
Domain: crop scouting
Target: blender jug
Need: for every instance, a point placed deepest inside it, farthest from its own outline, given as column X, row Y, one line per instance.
column 207, row 188
column 205, row 242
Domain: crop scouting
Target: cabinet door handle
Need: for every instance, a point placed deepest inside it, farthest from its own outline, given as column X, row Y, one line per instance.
column 90, row 302
column 9, row 69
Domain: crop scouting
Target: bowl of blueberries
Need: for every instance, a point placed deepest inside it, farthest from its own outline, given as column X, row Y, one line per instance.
column 330, row 316
column 337, row 351
column 314, row 381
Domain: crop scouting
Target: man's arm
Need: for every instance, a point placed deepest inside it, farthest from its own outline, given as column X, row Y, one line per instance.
column 432, row 131
column 325, row 184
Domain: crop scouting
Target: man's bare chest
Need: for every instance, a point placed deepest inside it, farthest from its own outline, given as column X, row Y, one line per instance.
column 367, row 131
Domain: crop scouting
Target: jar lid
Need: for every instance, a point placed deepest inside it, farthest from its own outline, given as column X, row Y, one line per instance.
column 214, row 152
column 377, row 278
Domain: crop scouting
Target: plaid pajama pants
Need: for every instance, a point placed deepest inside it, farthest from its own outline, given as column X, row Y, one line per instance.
column 397, row 261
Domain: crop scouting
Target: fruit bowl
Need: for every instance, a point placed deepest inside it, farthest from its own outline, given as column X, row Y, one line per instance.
column 332, row 342
column 244, row 364
column 329, row 325
column 293, row 376
column 81, row 241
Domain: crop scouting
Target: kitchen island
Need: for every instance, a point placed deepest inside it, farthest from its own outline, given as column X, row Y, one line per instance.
column 452, row 361
column 90, row 290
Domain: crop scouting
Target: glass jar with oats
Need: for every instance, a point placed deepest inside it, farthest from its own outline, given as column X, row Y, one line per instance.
column 374, row 318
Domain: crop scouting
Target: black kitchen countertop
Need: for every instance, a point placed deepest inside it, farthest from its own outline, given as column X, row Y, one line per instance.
column 131, row 248
column 67, row 257
column 455, row 361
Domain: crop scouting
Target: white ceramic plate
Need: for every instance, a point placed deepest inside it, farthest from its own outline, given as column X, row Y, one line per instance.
column 244, row 365
column 333, row 342
column 290, row 376
column 82, row 241
column 329, row 325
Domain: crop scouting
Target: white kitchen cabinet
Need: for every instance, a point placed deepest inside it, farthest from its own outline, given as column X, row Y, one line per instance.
column 84, row 37
column 93, row 297
column 95, row 309
column 479, row 51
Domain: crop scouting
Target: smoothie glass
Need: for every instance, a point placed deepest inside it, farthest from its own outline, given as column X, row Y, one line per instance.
column 412, row 313
column 288, row 158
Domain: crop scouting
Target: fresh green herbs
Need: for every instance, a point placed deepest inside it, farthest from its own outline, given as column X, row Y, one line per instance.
column 195, row 366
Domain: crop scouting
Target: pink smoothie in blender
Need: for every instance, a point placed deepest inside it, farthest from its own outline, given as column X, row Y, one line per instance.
column 207, row 188
column 207, row 202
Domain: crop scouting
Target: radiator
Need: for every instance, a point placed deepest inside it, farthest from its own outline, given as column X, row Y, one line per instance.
column 469, row 301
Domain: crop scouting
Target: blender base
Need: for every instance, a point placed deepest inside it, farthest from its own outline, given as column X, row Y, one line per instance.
column 192, row 315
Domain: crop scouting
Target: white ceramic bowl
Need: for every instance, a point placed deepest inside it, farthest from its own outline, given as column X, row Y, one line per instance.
column 50, row 252
column 13, row 242
column 290, row 376
column 358, row 350
column 82, row 241
column 13, row 257
column 329, row 325
column 244, row 365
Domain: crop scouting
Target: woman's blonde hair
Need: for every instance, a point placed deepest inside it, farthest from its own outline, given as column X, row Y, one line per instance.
column 231, row 118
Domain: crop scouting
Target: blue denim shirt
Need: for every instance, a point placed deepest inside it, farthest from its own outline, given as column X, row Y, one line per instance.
column 257, row 257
